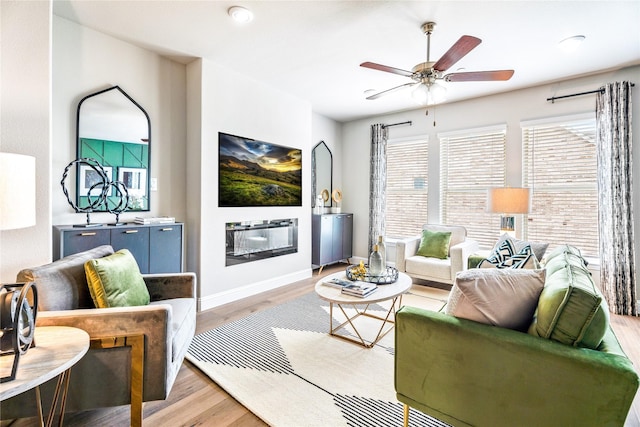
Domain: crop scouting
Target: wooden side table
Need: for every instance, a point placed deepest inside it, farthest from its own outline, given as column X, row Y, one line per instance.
column 57, row 349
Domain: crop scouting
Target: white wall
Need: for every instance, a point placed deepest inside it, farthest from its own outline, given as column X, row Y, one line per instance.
column 86, row 61
column 228, row 102
column 510, row 108
column 25, row 122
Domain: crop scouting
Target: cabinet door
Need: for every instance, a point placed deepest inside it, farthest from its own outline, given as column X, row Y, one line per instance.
column 79, row 240
column 347, row 237
column 338, row 232
column 326, row 239
column 136, row 239
column 165, row 249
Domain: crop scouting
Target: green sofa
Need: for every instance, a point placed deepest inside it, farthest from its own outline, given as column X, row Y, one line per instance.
column 468, row 373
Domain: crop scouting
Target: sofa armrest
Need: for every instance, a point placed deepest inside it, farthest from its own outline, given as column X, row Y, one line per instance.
column 172, row 285
column 464, row 372
column 406, row 248
column 460, row 255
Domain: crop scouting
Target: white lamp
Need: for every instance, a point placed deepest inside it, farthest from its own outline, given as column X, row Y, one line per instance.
column 17, row 191
column 508, row 200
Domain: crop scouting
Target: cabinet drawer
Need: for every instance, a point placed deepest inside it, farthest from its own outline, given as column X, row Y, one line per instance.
column 166, row 248
column 136, row 239
column 74, row 241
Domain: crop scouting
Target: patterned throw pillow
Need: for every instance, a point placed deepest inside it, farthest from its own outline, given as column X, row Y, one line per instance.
column 498, row 256
column 525, row 258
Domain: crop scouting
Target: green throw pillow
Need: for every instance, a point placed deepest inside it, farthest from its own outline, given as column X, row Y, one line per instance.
column 115, row 281
column 435, row 244
column 571, row 309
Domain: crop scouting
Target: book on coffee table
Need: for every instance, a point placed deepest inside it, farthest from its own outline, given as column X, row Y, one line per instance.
column 359, row 289
column 338, row 282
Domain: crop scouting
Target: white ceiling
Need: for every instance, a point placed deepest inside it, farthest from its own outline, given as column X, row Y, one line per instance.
column 313, row 49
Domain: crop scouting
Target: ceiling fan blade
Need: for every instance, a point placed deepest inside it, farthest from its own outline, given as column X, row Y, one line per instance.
column 479, row 76
column 463, row 46
column 386, row 68
column 388, row 91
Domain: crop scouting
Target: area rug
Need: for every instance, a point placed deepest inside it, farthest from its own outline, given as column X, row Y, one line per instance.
column 284, row 367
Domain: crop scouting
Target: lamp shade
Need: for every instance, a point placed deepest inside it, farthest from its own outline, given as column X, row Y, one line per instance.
column 508, row 200
column 17, row 191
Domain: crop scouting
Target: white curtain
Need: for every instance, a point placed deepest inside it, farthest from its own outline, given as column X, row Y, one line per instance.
column 615, row 207
column 377, row 183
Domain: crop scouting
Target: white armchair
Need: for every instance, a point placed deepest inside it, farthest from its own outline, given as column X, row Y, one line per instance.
column 435, row 269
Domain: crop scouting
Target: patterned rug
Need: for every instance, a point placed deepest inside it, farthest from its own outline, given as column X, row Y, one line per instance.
column 283, row 366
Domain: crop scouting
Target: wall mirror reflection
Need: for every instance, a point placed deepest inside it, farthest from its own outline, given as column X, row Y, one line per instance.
column 115, row 130
column 322, row 171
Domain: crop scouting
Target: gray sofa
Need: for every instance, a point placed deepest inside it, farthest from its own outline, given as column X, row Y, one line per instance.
column 101, row 378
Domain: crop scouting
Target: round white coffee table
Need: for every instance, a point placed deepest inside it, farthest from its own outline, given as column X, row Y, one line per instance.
column 334, row 295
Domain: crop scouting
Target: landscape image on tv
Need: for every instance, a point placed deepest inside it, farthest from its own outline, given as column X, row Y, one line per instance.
column 257, row 173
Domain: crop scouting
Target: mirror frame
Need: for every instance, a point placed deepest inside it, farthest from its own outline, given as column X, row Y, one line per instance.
column 314, row 172
column 79, row 152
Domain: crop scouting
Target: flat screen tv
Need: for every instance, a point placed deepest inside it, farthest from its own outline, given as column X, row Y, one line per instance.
column 258, row 173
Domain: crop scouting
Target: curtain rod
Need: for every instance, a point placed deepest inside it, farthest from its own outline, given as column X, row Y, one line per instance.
column 601, row 90
column 408, row 122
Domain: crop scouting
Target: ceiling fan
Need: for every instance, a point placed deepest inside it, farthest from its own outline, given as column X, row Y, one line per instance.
column 426, row 74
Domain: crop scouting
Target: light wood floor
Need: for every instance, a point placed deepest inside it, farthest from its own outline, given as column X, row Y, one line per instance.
column 195, row 400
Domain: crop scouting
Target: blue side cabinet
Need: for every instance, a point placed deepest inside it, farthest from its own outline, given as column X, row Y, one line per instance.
column 157, row 248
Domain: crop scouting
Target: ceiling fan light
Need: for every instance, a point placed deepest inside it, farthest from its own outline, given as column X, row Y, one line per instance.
column 437, row 93
column 240, row 14
column 570, row 44
column 420, row 94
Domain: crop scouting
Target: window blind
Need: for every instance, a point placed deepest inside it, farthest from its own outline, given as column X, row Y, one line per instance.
column 560, row 167
column 471, row 162
column 407, row 187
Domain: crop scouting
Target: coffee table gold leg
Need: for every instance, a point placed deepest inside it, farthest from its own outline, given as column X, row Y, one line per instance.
column 406, row 415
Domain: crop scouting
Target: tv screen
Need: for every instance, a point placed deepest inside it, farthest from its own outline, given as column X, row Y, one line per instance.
column 258, row 173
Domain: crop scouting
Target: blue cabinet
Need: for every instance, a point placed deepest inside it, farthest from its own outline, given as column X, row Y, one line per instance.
column 157, row 248
column 332, row 238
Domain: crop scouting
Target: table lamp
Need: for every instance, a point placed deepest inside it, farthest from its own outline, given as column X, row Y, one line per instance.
column 508, row 201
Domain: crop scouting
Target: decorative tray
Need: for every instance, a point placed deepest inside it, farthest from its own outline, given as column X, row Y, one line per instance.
column 389, row 276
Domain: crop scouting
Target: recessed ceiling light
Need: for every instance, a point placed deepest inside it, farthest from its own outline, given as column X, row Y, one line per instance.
column 240, row 14
column 571, row 43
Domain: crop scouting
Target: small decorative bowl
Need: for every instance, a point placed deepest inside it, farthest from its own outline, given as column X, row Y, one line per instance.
column 389, row 276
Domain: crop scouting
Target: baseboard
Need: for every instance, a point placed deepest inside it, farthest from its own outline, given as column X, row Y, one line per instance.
column 216, row 300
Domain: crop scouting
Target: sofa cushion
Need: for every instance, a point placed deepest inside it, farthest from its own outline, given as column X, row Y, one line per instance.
column 434, row 268
column 525, row 258
column 62, row 284
column 538, row 248
column 499, row 297
column 434, row 244
column 500, row 254
column 571, row 309
column 115, row 281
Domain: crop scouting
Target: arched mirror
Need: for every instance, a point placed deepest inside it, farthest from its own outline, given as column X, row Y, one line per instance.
column 115, row 130
column 322, row 170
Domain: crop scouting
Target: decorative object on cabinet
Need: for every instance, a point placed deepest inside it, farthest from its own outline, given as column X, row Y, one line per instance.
column 332, row 238
column 336, row 196
column 116, row 131
column 255, row 240
column 321, row 173
column 19, row 303
column 97, row 185
column 17, row 191
column 157, row 248
column 257, row 173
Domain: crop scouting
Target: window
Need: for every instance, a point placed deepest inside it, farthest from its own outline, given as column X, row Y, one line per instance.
column 407, row 187
column 471, row 162
column 559, row 165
